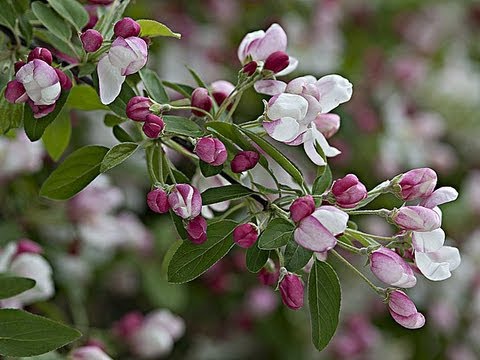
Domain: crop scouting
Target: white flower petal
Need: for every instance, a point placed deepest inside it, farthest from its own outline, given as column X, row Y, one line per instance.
column 110, row 80
column 335, row 220
column 270, row 87
column 285, row 129
column 288, row 105
column 428, row 241
column 438, row 265
column 334, row 90
column 440, row 196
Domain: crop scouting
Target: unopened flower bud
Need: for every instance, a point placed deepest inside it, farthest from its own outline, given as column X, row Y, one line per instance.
column 92, row 17
column 404, row 311
column 157, row 201
column 128, row 325
column 91, row 40
column 245, row 235
column 18, row 65
column 153, row 126
column 15, row 92
column 28, row 246
column 267, row 277
column 302, row 207
column 417, row 183
column 201, row 100
column 64, row 80
column 244, row 160
column 292, row 289
column 211, row 150
column 250, row 68
column 89, row 352
column 40, row 111
column 276, row 62
column 126, row 28
column 185, row 201
column 416, row 218
column 348, row 191
column 327, row 124
column 138, row 108
column 197, row 230
column 41, row 54
column 220, row 90
column 390, row 268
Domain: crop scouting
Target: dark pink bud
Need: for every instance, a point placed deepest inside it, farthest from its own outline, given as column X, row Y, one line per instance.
column 302, row 207
column 201, row 100
column 92, row 17
column 348, row 191
column 15, row 92
column 417, row 183
column 416, row 218
column 250, row 68
column 40, row 111
column 292, row 289
column 185, row 201
column 276, row 62
column 157, row 201
column 153, row 126
column 64, row 80
column 244, row 160
column 197, row 230
column 245, row 235
column 41, row 54
column 267, row 277
column 28, row 246
column 211, row 150
column 220, row 90
column 404, row 311
column 128, row 324
column 138, row 108
column 126, row 27
column 18, row 65
column 91, row 40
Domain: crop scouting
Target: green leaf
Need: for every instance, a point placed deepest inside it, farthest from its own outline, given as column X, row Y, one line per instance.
column 112, row 120
column 36, row 127
column 26, row 29
column 209, row 170
column 72, row 11
column 152, row 28
column 84, row 97
column 13, row 285
column 106, row 22
column 51, row 20
column 77, row 171
column 11, row 115
column 25, row 334
column 180, row 125
column 57, row 135
column 324, row 297
column 118, row 154
column 177, row 221
column 65, row 46
column 197, row 77
column 119, row 105
column 86, row 69
column 296, row 256
column 154, row 86
column 191, row 260
column 185, row 90
column 256, row 258
column 121, row 135
column 223, row 193
column 7, row 15
column 323, row 182
column 277, row 234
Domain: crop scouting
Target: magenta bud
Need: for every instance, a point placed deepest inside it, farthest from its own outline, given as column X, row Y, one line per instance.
column 197, row 230
column 404, row 311
column 390, row 268
column 417, row 183
column 267, row 277
column 91, row 40
column 211, row 150
column 185, row 201
column 201, row 100
column 28, row 246
column 291, row 290
column 348, row 191
column 220, row 90
column 153, row 126
column 41, row 54
column 157, row 201
column 126, row 28
column 276, row 62
column 128, row 325
column 138, row 108
column 40, row 111
column 244, row 160
column 15, row 92
column 18, row 65
column 245, row 235
column 64, row 80
column 92, row 17
column 416, row 218
column 302, row 207
column 327, row 124
column 250, row 68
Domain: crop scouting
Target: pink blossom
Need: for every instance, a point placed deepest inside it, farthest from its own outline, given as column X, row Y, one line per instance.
column 390, row 268
column 185, row 201
column 348, row 191
column 404, row 311
column 292, row 291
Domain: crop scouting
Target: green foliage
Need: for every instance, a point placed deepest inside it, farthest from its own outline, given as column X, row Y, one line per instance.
column 84, row 97
column 256, row 258
column 322, row 182
column 72, row 11
column 180, row 125
column 224, row 193
column 154, row 86
column 57, row 135
column 11, row 115
column 51, row 20
column 296, row 256
column 210, row 170
column 152, row 28
column 117, row 155
column 277, row 234
column 14, row 285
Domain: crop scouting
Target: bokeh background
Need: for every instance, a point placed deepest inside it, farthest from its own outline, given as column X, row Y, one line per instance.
column 415, row 67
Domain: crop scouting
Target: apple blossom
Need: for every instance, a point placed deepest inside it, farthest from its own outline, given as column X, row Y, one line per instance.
column 244, row 160
column 417, row 183
column 40, row 54
column 202, row 100
column 138, row 108
column 302, row 207
column 126, row 27
column 15, row 92
column 245, row 235
column 157, row 201
column 185, row 201
column 390, row 268
column 404, row 311
column 292, row 291
column 91, row 40
column 348, row 191
column 40, row 81
column 89, row 353
column 153, row 126
column 220, row 90
column 197, row 230
column 437, row 265
column 417, row 218
column 211, row 150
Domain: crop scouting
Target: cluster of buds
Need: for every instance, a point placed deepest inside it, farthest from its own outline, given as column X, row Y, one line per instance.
column 138, row 109
column 37, row 83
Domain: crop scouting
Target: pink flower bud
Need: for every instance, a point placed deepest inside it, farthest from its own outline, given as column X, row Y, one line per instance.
column 91, row 40
column 40, row 111
column 197, row 230
column 201, row 100
column 244, row 160
column 92, row 17
column 128, row 324
column 18, row 65
column 153, row 126
column 404, row 311
column 327, row 124
column 302, row 207
column 126, row 27
column 390, row 268
column 89, row 352
column 185, row 201
column 277, row 62
column 211, row 150
column 64, row 80
column 15, row 92
column 138, row 108
column 418, row 183
column 41, row 54
column 250, row 68
column 348, row 191
column 157, row 201
column 28, row 246
column 416, row 218
column 220, row 90
column 267, row 277
column 292, row 289
column 245, row 235
column 41, row 82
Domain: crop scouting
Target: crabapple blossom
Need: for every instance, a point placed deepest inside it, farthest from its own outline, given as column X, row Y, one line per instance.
column 211, row 150
column 15, row 92
column 417, row 218
column 91, row 40
column 327, row 124
column 153, row 126
column 348, row 191
column 41, row 54
column 390, row 268
column 437, row 265
column 126, row 27
column 185, row 201
column 292, row 291
column 157, row 201
column 203, row 183
column 404, row 311
column 202, row 100
column 220, row 90
column 197, row 230
column 417, row 183
column 138, row 108
column 276, row 62
column 250, row 68
column 89, row 352
column 40, row 81
column 245, row 235
column 244, row 160
column 302, row 207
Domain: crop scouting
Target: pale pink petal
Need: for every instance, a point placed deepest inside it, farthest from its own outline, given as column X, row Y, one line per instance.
column 292, row 65
column 312, row 235
column 110, row 80
column 328, row 150
column 275, row 39
column 334, row 219
column 428, row 241
column 414, row 321
column 247, row 40
column 288, row 105
column 440, row 196
column 270, row 87
column 334, row 90
column 311, row 151
column 285, row 129
column 438, row 265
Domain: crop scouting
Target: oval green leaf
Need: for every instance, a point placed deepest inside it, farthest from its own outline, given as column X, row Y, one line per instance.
column 72, row 11
column 256, row 258
column 11, row 115
column 57, row 135
column 323, row 182
column 296, row 256
column 118, row 154
column 277, row 234
column 14, row 285
column 51, row 20
column 154, row 86
column 84, row 97
column 223, row 193
column 152, row 28
column 180, row 125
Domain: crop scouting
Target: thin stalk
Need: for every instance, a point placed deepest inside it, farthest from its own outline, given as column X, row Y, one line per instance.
column 193, row 108
column 378, row 237
column 379, row 212
column 350, row 248
column 149, row 156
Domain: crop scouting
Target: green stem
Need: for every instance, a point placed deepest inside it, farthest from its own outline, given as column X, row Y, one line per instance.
column 379, row 212
column 192, row 108
column 177, row 147
column 281, row 259
column 378, row 237
column 149, row 155
column 350, row 248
